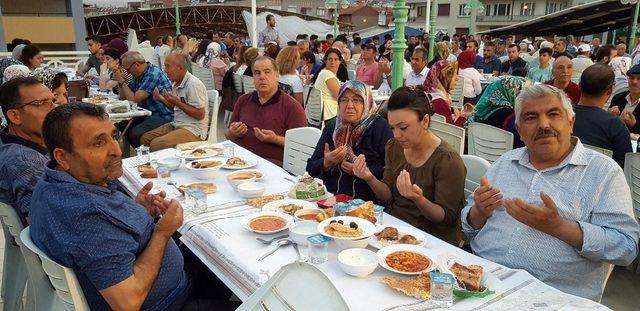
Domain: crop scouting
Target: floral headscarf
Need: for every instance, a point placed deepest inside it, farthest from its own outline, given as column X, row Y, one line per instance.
column 6, row 63
column 500, row 94
column 15, row 71
column 439, row 78
column 442, row 50
column 349, row 133
column 46, row 76
column 213, row 51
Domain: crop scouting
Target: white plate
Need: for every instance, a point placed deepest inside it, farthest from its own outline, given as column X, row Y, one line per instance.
column 275, row 205
column 385, row 251
column 247, row 219
column 188, row 156
column 402, row 230
column 368, row 229
column 251, row 171
column 250, row 164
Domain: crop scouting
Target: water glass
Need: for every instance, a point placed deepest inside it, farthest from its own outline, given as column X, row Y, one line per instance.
column 318, row 249
column 229, row 150
column 199, row 199
column 164, row 174
column 143, row 154
column 442, row 289
column 378, row 212
column 72, row 99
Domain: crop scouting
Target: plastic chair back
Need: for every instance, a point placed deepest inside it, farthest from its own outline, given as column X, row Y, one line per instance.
column 604, row 151
column 632, row 174
column 299, row 144
column 214, row 105
column 352, row 74
column 453, row 135
column 314, row 107
column 205, row 75
column 14, row 276
column 488, row 142
column 237, row 82
column 248, row 84
column 305, row 94
column 54, row 63
column 476, row 168
column 61, row 278
column 457, row 97
column 439, row 118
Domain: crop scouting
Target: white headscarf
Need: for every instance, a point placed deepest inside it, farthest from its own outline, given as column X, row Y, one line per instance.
column 15, row 71
column 17, row 51
column 213, row 51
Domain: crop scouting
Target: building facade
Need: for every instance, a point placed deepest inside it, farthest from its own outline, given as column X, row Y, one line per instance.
column 51, row 24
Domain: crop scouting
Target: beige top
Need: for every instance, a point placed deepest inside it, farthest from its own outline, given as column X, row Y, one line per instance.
column 330, row 103
column 441, row 179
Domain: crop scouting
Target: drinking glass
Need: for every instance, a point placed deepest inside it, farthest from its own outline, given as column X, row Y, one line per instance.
column 378, row 212
column 229, row 150
column 318, row 249
column 164, row 175
column 199, row 201
column 143, row 154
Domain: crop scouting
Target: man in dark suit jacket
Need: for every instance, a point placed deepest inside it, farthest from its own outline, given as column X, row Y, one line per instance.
column 625, row 104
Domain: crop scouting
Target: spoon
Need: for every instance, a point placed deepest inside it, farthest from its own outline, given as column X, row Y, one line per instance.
column 278, row 245
column 271, row 240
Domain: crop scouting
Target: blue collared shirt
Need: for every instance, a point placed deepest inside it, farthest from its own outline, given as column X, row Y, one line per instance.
column 588, row 188
column 99, row 232
column 21, row 165
column 153, row 77
column 488, row 67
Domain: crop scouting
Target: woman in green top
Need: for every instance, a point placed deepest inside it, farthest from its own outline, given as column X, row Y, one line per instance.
column 423, row 179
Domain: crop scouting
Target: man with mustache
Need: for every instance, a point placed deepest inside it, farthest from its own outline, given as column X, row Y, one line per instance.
column 554, row 208
column 594, row 125
column 261, row 118
column 80, row 218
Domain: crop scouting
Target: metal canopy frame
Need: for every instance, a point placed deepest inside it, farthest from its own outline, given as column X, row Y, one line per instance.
column 589, row 18
column 194, row 20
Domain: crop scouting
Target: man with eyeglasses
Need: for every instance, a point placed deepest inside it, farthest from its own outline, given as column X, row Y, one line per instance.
column 25, row 104
column 147, row 79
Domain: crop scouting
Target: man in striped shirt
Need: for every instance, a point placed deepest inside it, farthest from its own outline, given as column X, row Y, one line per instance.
column 554, row 208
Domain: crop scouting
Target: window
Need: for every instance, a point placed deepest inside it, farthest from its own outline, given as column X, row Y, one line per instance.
column 553, row 7
column 292, row 9
column 444, row 9
column 527, row 8
column 502, row 9
column 320, row 12
column 487, row 9
column 305, row 11
column 461, row 10
column 422, row 11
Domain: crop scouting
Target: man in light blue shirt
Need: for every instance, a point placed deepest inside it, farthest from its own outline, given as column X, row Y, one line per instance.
column 542, row 71
column 554, row 208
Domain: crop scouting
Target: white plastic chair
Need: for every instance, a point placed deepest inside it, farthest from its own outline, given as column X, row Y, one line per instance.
column 205, row 75
column 453, row 135
column 14, row 276
column 299, row 144
column 457, row 97
column 214, row 105
column 352, row 74
column 476, row 168
column 248, row 85
column 61, row 278
column 438, row 117
column 632, row 174
column 604, row 151
column 488, row 142
column 54, row 63
column 237, row 82
column 305, row 94
column 313, row 109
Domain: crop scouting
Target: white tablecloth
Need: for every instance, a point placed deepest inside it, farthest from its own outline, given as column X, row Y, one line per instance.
column 231, row 252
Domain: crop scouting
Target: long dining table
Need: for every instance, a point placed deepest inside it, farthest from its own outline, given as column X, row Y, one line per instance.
column 232, row 252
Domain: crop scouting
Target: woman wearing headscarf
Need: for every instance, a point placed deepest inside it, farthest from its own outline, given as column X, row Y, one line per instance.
column 496, row 105
column 472, row 87
column 356, row 130
column 10, row 61
column 212, row 61
column 440, row 81
column 56, row 81
column 441, row 52
column 15, row 71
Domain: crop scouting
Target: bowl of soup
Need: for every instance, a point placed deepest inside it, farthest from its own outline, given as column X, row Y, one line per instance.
column 307, row 214
column 266, row 222
column 238, row 178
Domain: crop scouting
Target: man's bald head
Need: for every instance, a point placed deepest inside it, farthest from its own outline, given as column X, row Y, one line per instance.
column 597, row 80
column 175, row 65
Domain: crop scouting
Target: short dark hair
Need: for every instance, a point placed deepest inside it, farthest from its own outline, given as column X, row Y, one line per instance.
column 329, row 36
column 413, row 98
column 313, row 37
column 475, row 43
column 514, row 45
column 309, row 56
column 18, row 41
column 10, row 93
column 490, row 44
column 58, row 80
column 292, row 43
column 341, row 38
column 547, row 50
column 268, row 18
column 28, row 52
column 603, row 51
column 596, row 80
column 56, row 129
column 94, row 38
column 357, row 40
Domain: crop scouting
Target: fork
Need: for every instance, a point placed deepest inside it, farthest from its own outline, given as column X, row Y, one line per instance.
column 271, row 240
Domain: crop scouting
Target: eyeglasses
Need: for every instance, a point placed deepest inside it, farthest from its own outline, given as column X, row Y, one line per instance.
column 49, row 103
column 129, row 69
column 355, row 101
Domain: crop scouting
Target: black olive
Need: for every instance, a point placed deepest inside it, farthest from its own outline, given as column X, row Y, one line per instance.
column 340, row 222
column 353, row 225
column 332, row 221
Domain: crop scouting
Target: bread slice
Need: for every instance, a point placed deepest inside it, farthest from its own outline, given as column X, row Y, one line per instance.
column 419, row 287
column 470, row 276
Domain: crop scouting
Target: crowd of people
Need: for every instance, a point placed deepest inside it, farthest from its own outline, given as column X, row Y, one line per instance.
column 551, row 206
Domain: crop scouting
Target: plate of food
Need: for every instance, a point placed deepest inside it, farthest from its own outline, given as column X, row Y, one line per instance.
column 406, row 259
column 309, row 189
column 418, row 287
column 206, row 187
column 147, row 171
column 389, row 235
column 190, row 145
column 288, row 206
column 98, row 100
column 266, row 222
column 237, row 163
column 257, row 173
column 259, row 202
column 346, row 228
column 200, row 152
column 471, row 280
